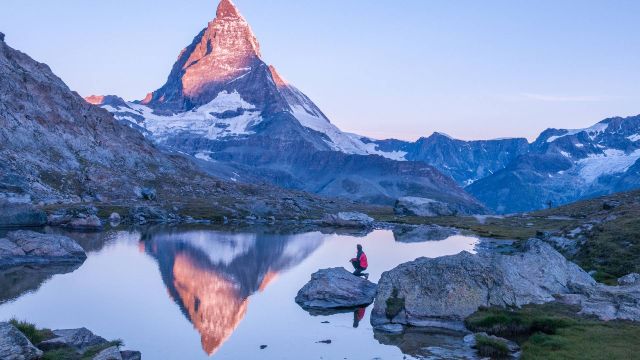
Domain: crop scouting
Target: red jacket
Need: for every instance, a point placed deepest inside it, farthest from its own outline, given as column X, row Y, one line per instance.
column 363, row 260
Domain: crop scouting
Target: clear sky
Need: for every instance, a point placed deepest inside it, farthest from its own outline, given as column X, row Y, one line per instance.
column 405, row 68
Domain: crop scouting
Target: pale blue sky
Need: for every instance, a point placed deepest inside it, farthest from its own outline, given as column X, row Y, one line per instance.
column 404, row 68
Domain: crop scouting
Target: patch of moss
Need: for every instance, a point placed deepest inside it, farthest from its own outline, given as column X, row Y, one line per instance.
column 554, row 331
column 491, row 348
column 32, row 333
column 395, row 304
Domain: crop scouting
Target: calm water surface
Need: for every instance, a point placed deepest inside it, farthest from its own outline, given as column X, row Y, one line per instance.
column 198, row 294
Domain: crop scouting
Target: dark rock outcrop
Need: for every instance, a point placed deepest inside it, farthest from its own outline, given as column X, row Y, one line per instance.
column 444, row 291
column 15, row 346
column 21, row 215
column 28, row 247
column 335, row 288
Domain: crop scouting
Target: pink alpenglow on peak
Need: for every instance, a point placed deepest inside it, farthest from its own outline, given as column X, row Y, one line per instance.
column 227, row 9
column 95, row 99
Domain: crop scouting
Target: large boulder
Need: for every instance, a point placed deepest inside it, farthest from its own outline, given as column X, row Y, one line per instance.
column 417, row 206
column 79, row 339
column 334, row 289
column 31, row 248
column 21, row 215
column 15, row 346
column 444, row 291
column 348, row 219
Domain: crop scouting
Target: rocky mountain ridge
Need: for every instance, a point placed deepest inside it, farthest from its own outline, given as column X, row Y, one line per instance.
column 223, row 105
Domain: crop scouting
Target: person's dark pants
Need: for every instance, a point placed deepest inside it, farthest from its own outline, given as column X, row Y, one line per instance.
column 358, row 269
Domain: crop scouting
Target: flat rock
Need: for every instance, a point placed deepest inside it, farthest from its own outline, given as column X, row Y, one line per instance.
column 15, row 346
column 112, row 353
column 79, row 339
column 335, row 288
column 442, row 292
column 28, row 247
column 348, row 219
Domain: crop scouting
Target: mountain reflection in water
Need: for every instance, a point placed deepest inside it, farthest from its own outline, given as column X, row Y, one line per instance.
column 210, row 275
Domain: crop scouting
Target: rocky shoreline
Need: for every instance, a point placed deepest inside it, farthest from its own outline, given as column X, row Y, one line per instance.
column 17, row 343
column 443, row 292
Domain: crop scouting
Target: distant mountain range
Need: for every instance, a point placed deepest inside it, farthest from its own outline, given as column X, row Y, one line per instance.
column 224, row 106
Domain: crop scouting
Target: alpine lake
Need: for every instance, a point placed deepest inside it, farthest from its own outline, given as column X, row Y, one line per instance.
column 225, row 293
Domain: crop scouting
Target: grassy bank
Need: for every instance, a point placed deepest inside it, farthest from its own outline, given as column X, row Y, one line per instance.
column 554, row 331
column 36, row 336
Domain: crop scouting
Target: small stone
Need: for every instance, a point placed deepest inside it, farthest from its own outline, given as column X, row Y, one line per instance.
column 262, row 347
column 112, row 353
column 324, row 342
column 631, row 279
column 131, row 355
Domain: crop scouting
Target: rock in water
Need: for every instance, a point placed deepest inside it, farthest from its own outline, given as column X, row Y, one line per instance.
column 348, row 219
column 423, row 207
column 28, row 247
column 334, row 289
column 443, row 291
column 15, row 346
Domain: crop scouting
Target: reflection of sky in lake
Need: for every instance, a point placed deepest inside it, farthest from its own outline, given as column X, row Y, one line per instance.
column 184, row 294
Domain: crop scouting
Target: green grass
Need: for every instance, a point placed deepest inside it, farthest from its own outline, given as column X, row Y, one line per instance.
column 554, row 331
column 37, row 336
column 32, row 333
column 492, row 348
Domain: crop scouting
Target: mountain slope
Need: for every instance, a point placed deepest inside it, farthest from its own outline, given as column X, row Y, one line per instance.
column 55, row 148
column 226, row 107
column 563, row 166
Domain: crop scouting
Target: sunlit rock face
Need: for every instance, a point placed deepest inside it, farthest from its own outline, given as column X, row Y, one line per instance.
column 223, row 56
column 211, row 275
column 213, row 303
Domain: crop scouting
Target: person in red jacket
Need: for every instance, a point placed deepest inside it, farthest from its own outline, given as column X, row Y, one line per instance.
column 360, row 263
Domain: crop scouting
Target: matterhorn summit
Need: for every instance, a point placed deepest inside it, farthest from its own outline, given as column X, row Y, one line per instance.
column 223, row 105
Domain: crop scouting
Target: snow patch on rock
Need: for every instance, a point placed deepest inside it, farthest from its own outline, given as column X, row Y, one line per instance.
column 612, row 161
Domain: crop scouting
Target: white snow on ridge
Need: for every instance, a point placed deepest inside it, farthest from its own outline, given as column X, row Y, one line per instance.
column 593, row 131
column 634, row 138
column 206, row 120
column 611, row 162
column 340, row 141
